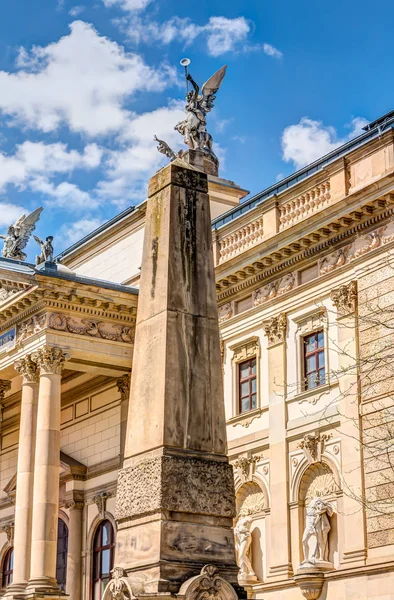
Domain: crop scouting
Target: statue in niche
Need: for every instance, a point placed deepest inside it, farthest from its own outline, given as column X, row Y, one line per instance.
column 243, row 542
column 317, row 525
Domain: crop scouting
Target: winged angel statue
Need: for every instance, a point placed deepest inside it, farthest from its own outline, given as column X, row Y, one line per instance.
column 194, row 126
column 18, row 235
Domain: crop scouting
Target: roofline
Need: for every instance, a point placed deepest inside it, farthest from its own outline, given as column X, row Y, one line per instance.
column 305, row 172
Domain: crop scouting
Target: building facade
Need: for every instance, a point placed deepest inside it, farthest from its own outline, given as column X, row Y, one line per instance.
column 305, row 280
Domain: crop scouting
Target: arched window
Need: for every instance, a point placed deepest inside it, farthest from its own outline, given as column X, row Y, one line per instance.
column 61, row 559
column 103, row 557
column 8, row 567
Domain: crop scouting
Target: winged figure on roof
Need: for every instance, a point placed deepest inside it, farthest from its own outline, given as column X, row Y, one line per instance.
column 18, row 235
column 198, row 105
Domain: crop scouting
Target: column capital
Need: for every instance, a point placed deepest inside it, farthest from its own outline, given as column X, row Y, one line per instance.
column 275, row 329
column 123, row 384
column 28, row 369
column 5, row 386
column 344, row 298
column 50, row 360
column 74, row 504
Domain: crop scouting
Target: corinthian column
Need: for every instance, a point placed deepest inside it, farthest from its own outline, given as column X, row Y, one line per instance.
column 74, row 554
column 46, row 472
column 25, row 474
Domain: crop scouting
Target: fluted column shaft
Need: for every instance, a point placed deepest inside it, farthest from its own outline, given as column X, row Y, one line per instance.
column 25, row 474
column 74, row 554
column 46, row 472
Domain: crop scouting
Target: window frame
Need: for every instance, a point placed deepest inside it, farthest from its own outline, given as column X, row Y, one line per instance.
column 242, row 351
column 305, row 355
column 62, row 585
column 98, row 549
column 248, row 379
column 7, row 572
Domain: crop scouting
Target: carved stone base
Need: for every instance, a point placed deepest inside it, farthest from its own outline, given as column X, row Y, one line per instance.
column 311, row 585
column 314, row 566
column 208, row 163
column 246, row 579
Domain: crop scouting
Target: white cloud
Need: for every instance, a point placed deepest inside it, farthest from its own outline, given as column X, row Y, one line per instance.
column 73, row 232
column 272, row 51
column 76, row 10
column 221, row 34
column 82, row 80
column 9, row 213
column 128, row 5
column 309, row 140
column 64, row 195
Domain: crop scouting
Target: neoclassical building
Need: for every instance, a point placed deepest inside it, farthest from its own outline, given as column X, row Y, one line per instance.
column 305, row 280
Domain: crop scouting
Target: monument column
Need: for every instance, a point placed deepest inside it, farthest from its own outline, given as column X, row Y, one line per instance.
column 25, row 474
column 74, row 554
column 46, row 473
column 175, row 496
column 280, row 565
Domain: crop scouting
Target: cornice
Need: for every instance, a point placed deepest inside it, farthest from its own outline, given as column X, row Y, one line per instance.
column 314, row 244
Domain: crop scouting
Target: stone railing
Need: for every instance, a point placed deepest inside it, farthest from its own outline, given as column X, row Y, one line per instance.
column 238, row 241
column 304, row 205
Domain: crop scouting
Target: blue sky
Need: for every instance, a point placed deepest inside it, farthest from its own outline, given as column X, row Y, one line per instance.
column 85, row 85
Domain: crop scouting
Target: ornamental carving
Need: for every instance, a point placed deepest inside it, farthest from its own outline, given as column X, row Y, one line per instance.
column 225, row 312
column 28, row 369
column 5, row 387
column 275, row 329
column 50, row 360
column 100, row 501
column 29, row 327
column 245, row 466
column 118, row 586
column 208, row 586
column 123, row 385
column 248, row 349
column 313, row 445
column 274, row 288
column 317, row 481
column 92, row 328
column 251, row 500
column 8, row 529
column 336, row 259
column 7, row 291
column 174, row 483
column 344, row 298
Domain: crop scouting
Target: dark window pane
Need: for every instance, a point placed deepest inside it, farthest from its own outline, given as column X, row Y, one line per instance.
column 253, row 366
column 322, row 376
column 311, row 381
column 254, row 401
column 310, row 343
column 321, row 359
column 106, row 534
column 253, row 382
column 103, row 558
column 311, row 363
column 320, row 339
column 245, row 404
column 244, row 370
column 105, row 562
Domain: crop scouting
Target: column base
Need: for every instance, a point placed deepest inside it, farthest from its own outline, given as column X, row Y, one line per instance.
column 42, row 587
column 15, row 590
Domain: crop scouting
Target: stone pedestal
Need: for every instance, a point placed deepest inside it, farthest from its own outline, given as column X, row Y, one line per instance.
column 208, row 163
column 175, row 495
column 25, row 475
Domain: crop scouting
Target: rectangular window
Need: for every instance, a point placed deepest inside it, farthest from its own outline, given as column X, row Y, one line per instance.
column 247, row 385
column 314, row 360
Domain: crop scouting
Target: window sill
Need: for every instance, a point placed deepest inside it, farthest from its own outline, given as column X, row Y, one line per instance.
column 313, row 396
column 245, row 419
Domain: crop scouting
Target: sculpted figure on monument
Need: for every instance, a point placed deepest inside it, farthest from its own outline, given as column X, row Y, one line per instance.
column 18, row 235
column 318, row 526
column 194, row 126
column 243, row 541
column 46, row 249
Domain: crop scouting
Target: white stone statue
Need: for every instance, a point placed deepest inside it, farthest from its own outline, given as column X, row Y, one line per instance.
column 46, row 249
column 18, row 235
column 317, row 525
column 243, row 541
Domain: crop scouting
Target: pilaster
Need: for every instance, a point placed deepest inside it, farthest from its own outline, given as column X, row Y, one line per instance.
column 74, row 554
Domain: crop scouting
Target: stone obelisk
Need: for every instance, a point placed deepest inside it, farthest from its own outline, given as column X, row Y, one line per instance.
column 175, row 496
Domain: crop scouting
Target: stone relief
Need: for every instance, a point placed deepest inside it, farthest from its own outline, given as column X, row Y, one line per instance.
column 245, row 466
column 29, row 327
column 175, row 483
column 344, row 298
column 251, row 498
column 50, row 360
column 334, row 260
column 318, row 481
column 123, row 385
column 117, row 585
column 8, row 529
column 275, row 329
column 7, row 291
column 97, row 329
column 100, row 501
column 317, row 525
column 208, row 586
column 225, row 312
column 313, row 445
column 243, row 542
column 274, row 289
column 286, row 284
column 247, row 349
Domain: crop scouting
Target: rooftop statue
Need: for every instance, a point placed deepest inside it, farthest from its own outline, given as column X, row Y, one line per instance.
column 46, row 249
column 194, row 126
column 18, row 235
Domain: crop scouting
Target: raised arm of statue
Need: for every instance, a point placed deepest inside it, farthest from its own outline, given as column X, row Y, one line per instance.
column 195, row 86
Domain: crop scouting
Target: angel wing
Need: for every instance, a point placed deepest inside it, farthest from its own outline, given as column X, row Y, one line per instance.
column 210, row 88
column 38, row 240
column 26, row 226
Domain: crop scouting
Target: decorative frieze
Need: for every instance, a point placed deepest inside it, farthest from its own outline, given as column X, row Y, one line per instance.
column 92, row 328
column 27, row 328
column 5, row 387
column 241, row 240
column 50, row 360
column 246, row 349
column 275, row 329
column 225, row 312
column 28, row 369
column 304, row 205
column 313, row 445
column 344, row 298
column 274, row 288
